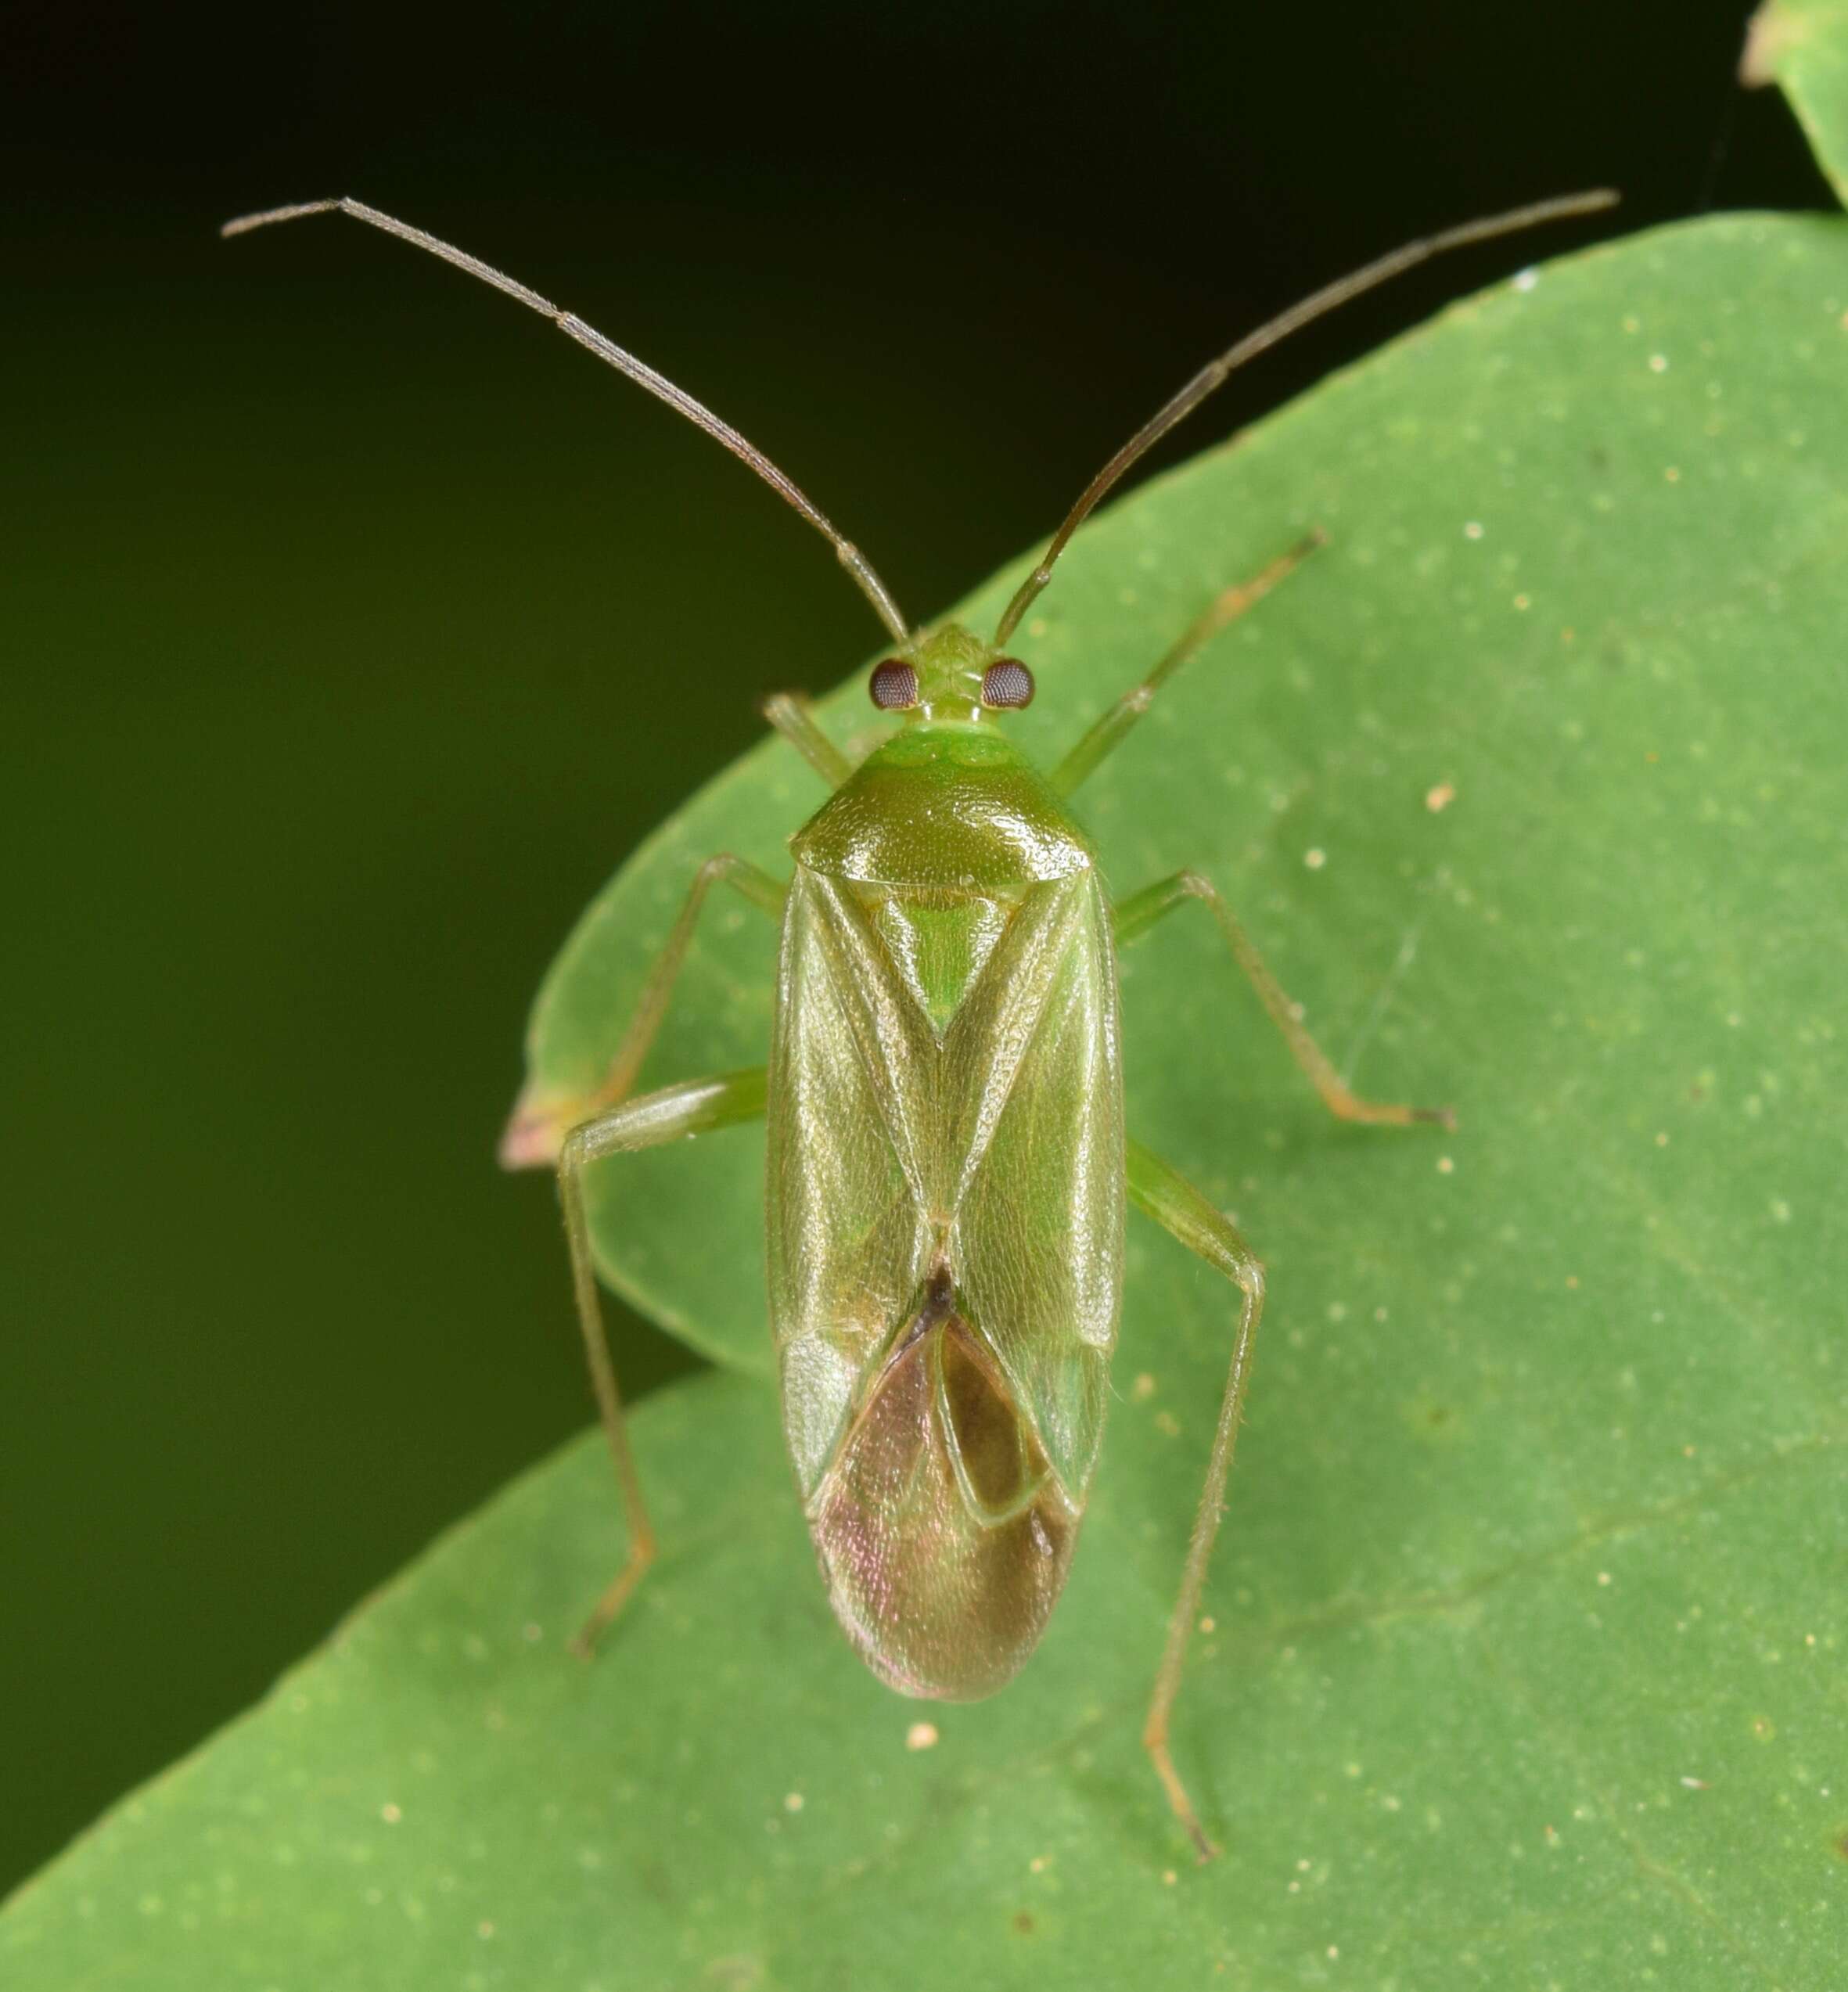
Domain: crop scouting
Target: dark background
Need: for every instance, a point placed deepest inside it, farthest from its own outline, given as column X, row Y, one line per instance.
column 354, row 626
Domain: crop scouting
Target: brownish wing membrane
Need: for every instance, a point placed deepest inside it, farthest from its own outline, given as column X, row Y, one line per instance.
column 944, row 1532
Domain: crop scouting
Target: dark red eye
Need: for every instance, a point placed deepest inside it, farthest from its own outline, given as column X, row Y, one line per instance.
column 895, row 685
column 1006, row 683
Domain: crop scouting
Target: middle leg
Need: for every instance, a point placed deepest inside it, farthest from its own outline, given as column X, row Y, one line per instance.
column 1137, row 915
column 541, row 1119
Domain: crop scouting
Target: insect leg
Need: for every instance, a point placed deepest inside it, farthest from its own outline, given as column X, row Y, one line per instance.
column 1137, row 915
column 1181, row 1209
column 1108, row 733
column 694, row 1107
column 793, row 717
column 539, row 1120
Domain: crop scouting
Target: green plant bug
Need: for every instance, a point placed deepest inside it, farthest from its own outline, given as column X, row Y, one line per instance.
column 949, row 1162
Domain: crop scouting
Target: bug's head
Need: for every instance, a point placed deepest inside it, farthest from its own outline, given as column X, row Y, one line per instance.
column 950, row 674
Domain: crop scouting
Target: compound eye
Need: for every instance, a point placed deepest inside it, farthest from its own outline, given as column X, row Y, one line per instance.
column 1007, row 684
column 894, row 686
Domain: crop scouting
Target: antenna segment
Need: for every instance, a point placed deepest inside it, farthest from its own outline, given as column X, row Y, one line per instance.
column 1329, row 298
column 658, row 385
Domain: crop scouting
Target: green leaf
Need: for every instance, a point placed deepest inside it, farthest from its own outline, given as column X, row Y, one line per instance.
column 1802, row 45
column 1525, row 1664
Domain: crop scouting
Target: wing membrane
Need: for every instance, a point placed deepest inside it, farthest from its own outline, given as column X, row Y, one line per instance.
column 1039, row 1222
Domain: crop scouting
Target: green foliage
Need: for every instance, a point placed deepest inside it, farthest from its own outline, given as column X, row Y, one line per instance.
column 1526, row 1662
column 1804, row 45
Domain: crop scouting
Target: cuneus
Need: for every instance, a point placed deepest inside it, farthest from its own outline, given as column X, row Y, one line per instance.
column 949, row 1165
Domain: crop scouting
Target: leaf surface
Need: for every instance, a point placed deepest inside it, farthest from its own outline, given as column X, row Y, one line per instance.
column 1525, row 1657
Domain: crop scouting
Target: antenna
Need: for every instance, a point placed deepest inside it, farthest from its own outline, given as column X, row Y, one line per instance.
column 1329, row 298
column 663, row 389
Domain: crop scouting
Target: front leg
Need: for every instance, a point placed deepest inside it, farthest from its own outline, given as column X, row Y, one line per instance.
column 1109, row 733
column 792, row 713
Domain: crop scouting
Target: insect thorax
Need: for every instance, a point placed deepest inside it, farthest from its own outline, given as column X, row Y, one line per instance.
column 944, row 804
column 940, row 836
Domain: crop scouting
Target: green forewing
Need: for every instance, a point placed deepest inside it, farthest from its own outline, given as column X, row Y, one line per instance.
column 1526, row 1664
column 850, row 1126
column 997, row 1145
column 1040, row 1189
